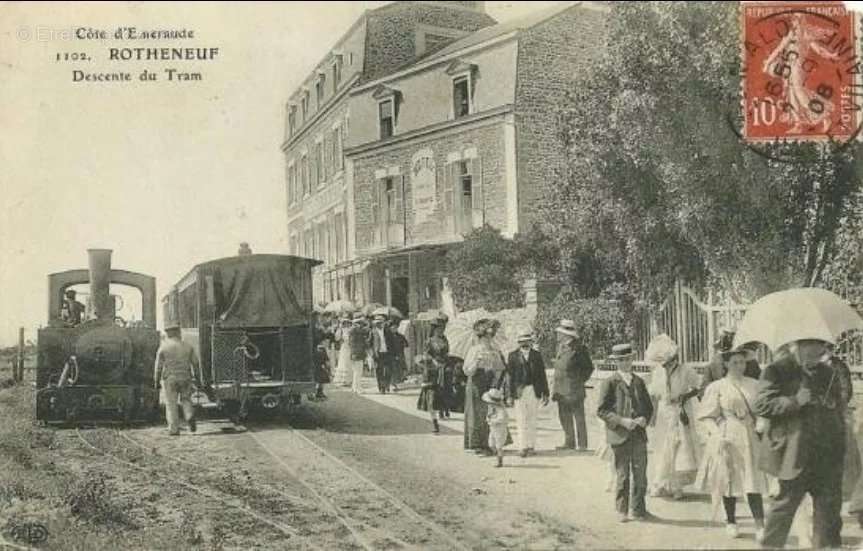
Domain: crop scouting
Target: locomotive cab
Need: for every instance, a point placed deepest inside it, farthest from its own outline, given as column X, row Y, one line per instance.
column 101, row 368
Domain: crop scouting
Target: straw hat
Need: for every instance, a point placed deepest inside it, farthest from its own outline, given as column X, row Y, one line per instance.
column 525, row 337
column 661, row 349
column 567, row 327
column 621, row 352
column 493, row 396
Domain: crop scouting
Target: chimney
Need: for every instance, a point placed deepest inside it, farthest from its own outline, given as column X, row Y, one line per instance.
column 100, row 280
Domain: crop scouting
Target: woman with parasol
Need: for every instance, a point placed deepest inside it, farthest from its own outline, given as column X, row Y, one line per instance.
column 729, row 469
column 485, row 369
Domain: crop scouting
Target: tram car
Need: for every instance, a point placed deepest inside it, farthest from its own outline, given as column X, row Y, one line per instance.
column 92, row 365
column 250, row 318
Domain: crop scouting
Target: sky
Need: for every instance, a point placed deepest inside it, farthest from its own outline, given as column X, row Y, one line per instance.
column 167, row 174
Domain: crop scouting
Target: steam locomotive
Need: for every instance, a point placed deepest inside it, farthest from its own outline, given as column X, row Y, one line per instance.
column 99, row 367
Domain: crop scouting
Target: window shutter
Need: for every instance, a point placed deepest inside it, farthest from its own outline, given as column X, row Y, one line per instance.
column 455, row 191
column 399, row 185
column 374, row 190
column 478, row 206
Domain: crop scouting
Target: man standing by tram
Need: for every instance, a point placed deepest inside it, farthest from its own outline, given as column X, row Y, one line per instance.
column 177, row 367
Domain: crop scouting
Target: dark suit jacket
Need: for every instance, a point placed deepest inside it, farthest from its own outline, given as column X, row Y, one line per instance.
column 375, row 343
column 800, row 436
column 572, row 368
column 523, row 373
column 618, row 401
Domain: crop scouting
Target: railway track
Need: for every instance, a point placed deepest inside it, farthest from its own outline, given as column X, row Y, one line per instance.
column 373, row 517
column 214, row 501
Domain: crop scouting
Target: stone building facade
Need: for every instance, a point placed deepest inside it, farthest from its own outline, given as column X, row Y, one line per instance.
column 318, row 124
column 465, row 136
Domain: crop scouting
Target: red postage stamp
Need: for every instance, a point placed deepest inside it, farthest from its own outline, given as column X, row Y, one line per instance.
column 803, row 73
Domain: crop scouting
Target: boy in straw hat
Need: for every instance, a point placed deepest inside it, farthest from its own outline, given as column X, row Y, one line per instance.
column 497, row 420
column 625, row 408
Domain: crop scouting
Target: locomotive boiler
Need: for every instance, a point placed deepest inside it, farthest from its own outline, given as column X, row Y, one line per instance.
column 96, row 366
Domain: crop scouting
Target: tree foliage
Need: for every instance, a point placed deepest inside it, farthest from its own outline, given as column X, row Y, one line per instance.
column 487, row 270
column 659, row 184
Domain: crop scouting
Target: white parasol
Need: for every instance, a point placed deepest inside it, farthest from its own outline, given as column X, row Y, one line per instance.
column 459, row 332
column 340, row 307
column 797, row 314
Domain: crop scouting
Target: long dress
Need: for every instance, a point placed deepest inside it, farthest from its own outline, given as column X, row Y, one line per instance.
column 344, row 373
column 431, row 396
column 676, row 462
column 729, row 466
column 481, row 364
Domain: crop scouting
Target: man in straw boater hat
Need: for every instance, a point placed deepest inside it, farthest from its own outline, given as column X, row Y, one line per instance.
column 803, row 397
column 382, row 350
column 572, row 368
column 177, row 367
column 529, row 388
column 625, row 408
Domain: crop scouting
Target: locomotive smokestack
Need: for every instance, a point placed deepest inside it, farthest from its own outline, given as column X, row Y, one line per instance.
column 100, row 278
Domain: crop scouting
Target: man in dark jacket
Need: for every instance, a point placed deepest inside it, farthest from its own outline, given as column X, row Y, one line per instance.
column 715, row 370
column 383, row 351
column 529, row 388
column 625, row 408
column 572, row 368
column 801, row 395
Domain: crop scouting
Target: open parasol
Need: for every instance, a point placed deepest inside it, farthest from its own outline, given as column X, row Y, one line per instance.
column 340, row 307
column 797, row 314
column 459, row 332
column 370, row 308
column 388, row 311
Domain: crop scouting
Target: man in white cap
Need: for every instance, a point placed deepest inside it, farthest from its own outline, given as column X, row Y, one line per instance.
column 673, row 385
column 177, row 367
column 625, row 408
column 572, row 368
column 529, row 388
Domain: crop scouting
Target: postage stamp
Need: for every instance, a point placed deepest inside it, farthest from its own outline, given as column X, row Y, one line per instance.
column 802, row 71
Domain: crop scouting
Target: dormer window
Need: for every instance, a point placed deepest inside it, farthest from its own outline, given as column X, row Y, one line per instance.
column 463, row 78
column 461, row 96
column 386, row 115
column 292, row 119
column 337, row 72
column 319, row 90
column 388, row 105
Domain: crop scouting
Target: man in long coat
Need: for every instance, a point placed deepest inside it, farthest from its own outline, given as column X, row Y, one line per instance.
column 529, row 388
column 801, row 395
column 572, row 368
column 382, row 347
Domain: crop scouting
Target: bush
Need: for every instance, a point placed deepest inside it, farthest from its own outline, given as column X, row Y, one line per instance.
column 91, row 498
column 601, row 321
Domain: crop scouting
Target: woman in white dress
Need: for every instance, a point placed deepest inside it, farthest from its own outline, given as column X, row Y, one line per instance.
column 344, row 371
column 673, row 387
column 729, row 468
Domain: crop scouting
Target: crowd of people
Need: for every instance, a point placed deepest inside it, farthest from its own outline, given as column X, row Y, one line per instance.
column 736, row 432
column 358, row 344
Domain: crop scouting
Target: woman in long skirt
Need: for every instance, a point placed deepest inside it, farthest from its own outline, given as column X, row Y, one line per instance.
column 481, row 363
column 673, row 386
column 343, row 374
column 729, row 469
column 431, row 396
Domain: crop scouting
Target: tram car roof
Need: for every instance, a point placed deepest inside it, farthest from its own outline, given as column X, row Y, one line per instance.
column 263, row 290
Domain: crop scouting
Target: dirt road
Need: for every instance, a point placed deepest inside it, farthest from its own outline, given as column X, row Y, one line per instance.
column 354, row 472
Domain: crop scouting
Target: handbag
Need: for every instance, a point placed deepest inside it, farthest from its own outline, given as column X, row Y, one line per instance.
column 684, row 417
